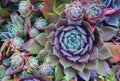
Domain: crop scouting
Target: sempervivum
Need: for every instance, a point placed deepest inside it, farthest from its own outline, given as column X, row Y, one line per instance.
column 24, row 7
column 74, row 11
column 77, row 48
column 33, row 63
column 40, row 23
column 46, row 68
column 94, row 12
column 17, row 62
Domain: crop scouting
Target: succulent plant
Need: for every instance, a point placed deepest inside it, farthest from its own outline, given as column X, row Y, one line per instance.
column 40, row 6
column 12, row 29
column 46, row 68
column 24, row 7
column 17, row 42
column 74, row 11
column 33, row 32
column 40, row 23
column 94, row 12
column 33, row 62
column 16, row 60
column 76, row 46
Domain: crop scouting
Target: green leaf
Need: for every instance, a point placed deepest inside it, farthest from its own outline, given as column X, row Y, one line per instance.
column 79, row 66
column 59, row 74
column 53, row 60
column 2, row 71
column 32, row 46
column 59, row 10
column 92, row 64
column 108, row 33
column 49, row 48
column 111, row 78
column 104, row 53
column 70, row 73
column 56, row 4
column 66, row 63
column 104, row 69
column 85, row 74
column 41, row 39
column 4, row 13
column 51, row 17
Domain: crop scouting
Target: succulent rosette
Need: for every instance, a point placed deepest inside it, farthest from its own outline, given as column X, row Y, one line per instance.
column 17, row 62
column 77, row 48
column 33, row 63
column 74, row 11
column 94, row 12
column 24, row 7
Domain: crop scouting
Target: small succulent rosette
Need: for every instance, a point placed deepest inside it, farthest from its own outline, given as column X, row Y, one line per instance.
column 25, row 7
column 74, row 11
column 33, row 32
column 46, row 68
column 77, row 49
column 32, row 63
column 40, row 23
column 94, row 12
column 17, row 62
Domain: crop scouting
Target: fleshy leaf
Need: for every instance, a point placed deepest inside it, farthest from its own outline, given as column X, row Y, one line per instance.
column 79, row 66
column 92, row 64
column 41, row 39
column 59, row 10
column 49, row 48
column 32, row 46
column 53, row 60
column 70, row 73
column 66, row 63
column 59, row 74
column 115, row 50
column 2, row 71
column 104, row 53
column 48, row 6
column 51, row 17
column 103, row 68
column 108, row 33
column 85, row 74
column 4, row 13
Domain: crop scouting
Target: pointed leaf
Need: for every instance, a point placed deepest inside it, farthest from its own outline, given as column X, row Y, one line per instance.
column 59, row 10
column 115, row 50
column 92, row 64
column 51, row 17
column 66, row 63
column 108, row 33
column 54, row 61
column 32, row 46
column 59, row 74
column 85, row 74
column 41, row 39
column 103, row 68
column 49, row 48
column 79, row 66
column 70, row 73
column 104, row 53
